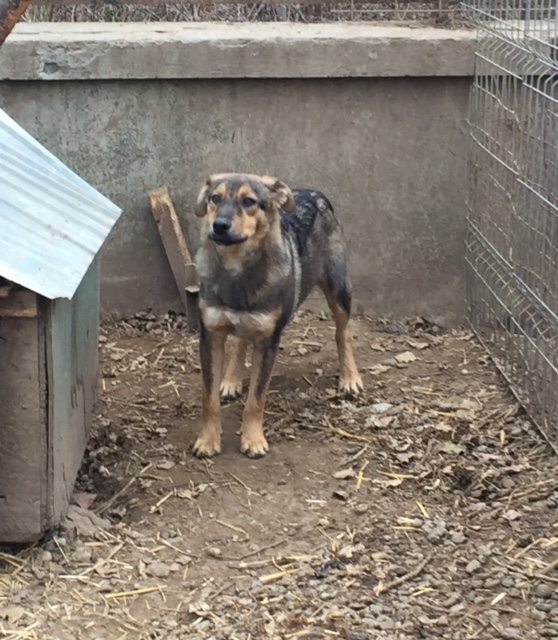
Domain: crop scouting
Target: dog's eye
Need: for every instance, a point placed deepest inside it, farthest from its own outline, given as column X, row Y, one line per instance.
column 215, row 198
column 248, row 202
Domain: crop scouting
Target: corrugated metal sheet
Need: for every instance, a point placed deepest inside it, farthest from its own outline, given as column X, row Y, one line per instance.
column 52, row 223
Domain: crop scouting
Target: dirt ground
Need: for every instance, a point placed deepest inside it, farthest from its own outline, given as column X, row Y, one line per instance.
column 424, row 509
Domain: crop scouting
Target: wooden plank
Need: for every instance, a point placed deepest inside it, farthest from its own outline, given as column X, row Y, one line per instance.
column 23, row 434
column 20, row 304
column 72, row 365
column 176, row 248
column 10, row 13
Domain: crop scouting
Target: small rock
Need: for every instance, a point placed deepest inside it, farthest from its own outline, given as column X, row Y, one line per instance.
column 543, row 590
column 437, row 533
column 491, row 583
column 516, row 623
column 341, row 494
column 204, row 624
column 405, row 357
column 385, row 623
column 396, row 329
column 214, row 552
column 538, row 615
column 84, row 522
column 158, row 570
column 381, row 407
column 473, row 566
column 452, row 599
column 543, row 606
column 509, row 632
column 390, row 362
column 344, row 474
column 457, row 537
column 81, row 555
column 46, row 557
column 493, row 614
column 512, row 515
column 361, row 508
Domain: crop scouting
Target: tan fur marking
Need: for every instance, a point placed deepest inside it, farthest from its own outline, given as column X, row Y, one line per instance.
column 200, row 208
column 208, row 442
column 252, row 438
column 244, row 324
column 244, row 191
column 222, row 190
column 283, row 196
column 244, row 224
column 231, row 385
column 349, row 379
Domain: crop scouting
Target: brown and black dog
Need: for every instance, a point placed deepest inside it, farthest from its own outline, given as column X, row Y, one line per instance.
column 263, row 249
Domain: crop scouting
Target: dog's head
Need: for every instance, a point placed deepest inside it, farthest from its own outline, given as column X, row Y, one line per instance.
column 239, row 207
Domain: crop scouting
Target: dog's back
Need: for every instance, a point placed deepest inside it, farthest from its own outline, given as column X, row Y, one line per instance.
column 316, row 237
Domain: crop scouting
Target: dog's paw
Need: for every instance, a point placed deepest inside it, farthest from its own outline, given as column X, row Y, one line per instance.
column 351, row 385
column 254, row 447
column 231, row 389
column 207, row 446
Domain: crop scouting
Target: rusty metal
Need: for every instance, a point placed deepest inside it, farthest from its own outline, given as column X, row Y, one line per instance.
column 10, row 13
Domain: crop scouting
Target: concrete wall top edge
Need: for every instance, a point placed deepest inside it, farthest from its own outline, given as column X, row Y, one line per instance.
column 185, row 50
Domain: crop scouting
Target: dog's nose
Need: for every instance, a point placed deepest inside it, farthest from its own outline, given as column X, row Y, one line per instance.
column 221, row 226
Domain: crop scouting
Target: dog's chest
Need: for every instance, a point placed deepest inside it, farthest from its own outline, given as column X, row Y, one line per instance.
column 251, row 325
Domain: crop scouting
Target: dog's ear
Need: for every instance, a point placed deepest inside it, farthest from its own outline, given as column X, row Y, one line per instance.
column 280, row 193
column 203, row 199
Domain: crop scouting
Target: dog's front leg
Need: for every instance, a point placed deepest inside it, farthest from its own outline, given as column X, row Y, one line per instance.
column 231, row 385
column 252, row 439
column 212, row 349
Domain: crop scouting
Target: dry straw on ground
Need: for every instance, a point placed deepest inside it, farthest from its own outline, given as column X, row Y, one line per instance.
column 434, row 12
column 425, row 509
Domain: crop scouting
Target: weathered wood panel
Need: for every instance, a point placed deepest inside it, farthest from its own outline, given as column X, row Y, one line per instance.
column 72, row 356
column 23, row 433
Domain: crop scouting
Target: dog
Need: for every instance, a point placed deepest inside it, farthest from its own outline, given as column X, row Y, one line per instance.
column 263, row 249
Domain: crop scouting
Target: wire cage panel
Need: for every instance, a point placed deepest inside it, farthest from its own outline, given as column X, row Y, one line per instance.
column 512, row 243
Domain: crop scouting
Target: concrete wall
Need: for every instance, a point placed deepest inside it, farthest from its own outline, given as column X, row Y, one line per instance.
column 373, row 116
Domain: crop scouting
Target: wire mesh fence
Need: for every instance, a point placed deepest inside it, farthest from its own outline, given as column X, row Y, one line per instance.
column 512, row 246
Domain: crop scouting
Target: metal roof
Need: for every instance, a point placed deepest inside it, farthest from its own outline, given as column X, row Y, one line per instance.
column 52, row 223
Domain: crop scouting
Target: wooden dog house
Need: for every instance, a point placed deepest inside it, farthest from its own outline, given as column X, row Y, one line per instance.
column 53, row 226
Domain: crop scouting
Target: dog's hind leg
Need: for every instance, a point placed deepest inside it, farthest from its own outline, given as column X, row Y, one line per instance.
column 231, row 385
column 337, row 290
column 212, row 350
column 252, row 440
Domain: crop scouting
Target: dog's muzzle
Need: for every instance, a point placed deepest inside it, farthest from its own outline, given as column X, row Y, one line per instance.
column 221, row 233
